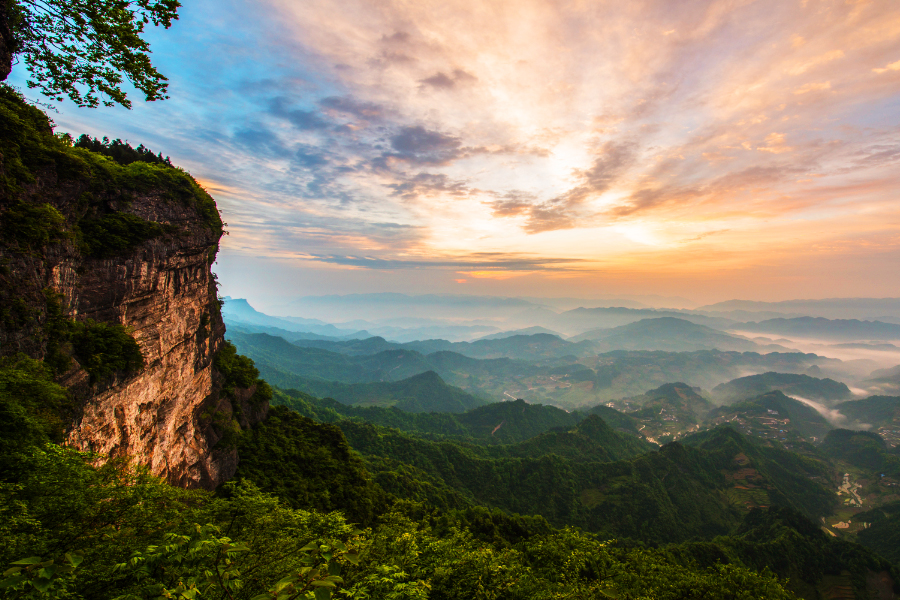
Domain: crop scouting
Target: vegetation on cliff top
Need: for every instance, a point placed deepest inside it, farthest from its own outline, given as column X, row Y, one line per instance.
column 30, row 150
column 120, row 151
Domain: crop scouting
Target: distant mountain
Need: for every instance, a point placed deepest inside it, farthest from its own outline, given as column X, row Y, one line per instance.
column 883, row 381
column 804, row 386
column 453, row 333
column 239, row 310
column 824, row 329
column 425, row 392
column 527, row 331
column 861, row 346
column 877, row 411
column 832, row 308
column 665, row 333
column 373, row 307
column 248, row 328
column 583, row 319
column 537, row 347
column 628, row 301
column 772, row 416
column 279, row 361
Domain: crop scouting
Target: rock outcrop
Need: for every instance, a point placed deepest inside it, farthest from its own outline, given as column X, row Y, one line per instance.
column 122, row 244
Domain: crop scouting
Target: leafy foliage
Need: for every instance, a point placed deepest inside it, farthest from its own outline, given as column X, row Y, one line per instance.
column 84, row 49
column 32, row 410
column 238, row 371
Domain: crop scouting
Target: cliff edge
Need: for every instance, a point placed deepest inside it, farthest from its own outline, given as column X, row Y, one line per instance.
column 105, row 276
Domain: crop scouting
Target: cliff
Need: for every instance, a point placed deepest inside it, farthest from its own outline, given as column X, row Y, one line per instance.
column 96, row 256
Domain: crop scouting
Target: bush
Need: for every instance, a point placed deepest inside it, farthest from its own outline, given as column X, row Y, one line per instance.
column 103, row 349
column 117, row 233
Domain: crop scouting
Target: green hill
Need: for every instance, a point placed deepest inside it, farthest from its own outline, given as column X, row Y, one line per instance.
column 864, row 450
column 773, row 416
column 616, row 419
column 280, row 362
column 425, row 392
column 495, row 423
column 592, row 440
column 877, row 411
column 670, row 495
column 883, row 532
column 677, row 399
column 826, row 390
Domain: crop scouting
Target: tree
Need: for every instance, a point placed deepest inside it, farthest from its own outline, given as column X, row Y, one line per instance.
column 85, row 49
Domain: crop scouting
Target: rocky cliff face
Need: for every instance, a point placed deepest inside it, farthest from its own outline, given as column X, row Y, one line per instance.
column 164, row 292
column 121, row 244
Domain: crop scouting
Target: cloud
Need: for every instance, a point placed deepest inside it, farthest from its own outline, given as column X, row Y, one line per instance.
column 353, row 106
column 512, row 204
column 894, row 66
column 442, row 81
column 428, row 184
column 301, row 119
column 819, row 86
column 533, row 126
column 308, row 157
column 422, row 146
column 472, row 263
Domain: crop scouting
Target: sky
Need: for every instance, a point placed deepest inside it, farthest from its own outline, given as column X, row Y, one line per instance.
column 705, row 149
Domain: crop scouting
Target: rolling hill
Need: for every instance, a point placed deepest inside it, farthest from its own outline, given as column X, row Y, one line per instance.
column 773, row 416
column 830, row 308
column 425, row 392
column 877, row 411
column 812, row 388
column 665, row 333
column 819, row 328
column 883, row 381
column 584, row 319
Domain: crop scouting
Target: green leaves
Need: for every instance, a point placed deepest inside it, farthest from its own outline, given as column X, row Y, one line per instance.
column 34, row 577
column 85, row 49
column 186, row 566
column 204, row 564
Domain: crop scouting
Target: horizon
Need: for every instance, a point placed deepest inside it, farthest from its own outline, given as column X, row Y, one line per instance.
column 712, row 152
